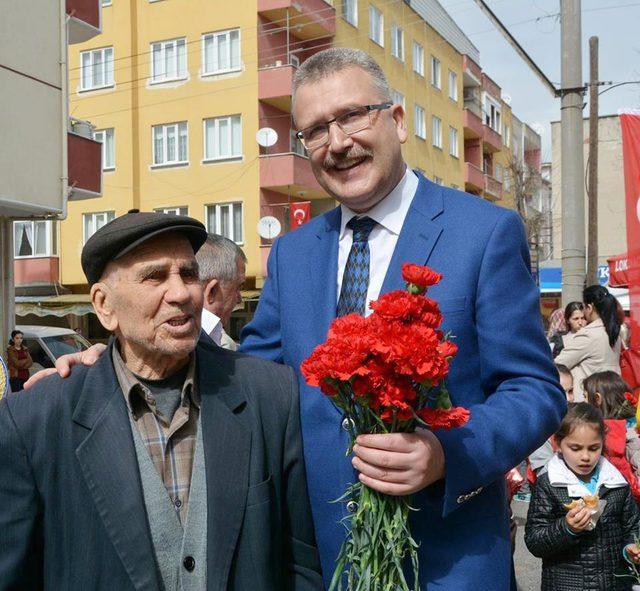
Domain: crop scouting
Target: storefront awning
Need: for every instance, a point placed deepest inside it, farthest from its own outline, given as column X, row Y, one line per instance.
column 78, row 304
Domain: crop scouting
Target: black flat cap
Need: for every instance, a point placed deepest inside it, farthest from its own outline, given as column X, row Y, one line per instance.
column 129, row 231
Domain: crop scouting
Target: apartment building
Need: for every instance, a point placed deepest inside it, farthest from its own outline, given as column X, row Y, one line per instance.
column 47, row 160
column 177, row 91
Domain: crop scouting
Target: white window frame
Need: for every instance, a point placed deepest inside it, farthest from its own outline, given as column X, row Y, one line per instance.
column 232, row 207
column 419, row 123
column 92, row 217
column 492, row 114
column 106, row 2
column 178, row 61
column 398, row 98
column 181, row 128
column 215, row 37
column 100, row 135
column 50, row 239
column 350, row 11
column 397, row 42
column 295, row 144
column 178, row 210
column 453, row 86
column 106, row 65
column 506, row 135
column 453, row 142
column 216, row 121
column 436, row 72
column 376, row 25
column 436, row 132
column 418, row 58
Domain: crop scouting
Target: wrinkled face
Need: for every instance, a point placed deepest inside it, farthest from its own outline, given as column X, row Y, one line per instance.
column 566, row 381
column 582, row 449
column 577, row 321
column 230, row 291
column 157, row 297
column 359, row 169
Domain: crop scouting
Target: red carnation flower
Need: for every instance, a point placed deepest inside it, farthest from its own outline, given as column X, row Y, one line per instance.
column 632, row 398
column 439, row 418
column 407, row 307
column 419, row 276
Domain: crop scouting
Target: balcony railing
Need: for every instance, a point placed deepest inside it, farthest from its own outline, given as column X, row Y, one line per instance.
column 492, row 187
column 473, row 177
column 84, row 19
column 311, row 19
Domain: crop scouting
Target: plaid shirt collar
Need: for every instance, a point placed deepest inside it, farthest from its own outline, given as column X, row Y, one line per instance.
column 137, row 394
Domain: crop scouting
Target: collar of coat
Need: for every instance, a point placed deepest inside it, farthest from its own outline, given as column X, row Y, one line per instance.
column 560, row 475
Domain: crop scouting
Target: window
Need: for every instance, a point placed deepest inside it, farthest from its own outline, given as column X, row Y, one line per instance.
column 92, row 222
column 350, row 11
column 418, row 58
column 397, row 42
column 436, row 132
column 295, row 145
column 221, row 52
column 376, row 25
column 453, row 141
column 107, row 138
column 97, row 68
column 168, row 60
column 437, row 180
column 173, row 210
column 170, row 143
column 418, row 122
column 506, row 181
column 453, row 86
column 506, row 135
column 498, row 172
column 397, row 97
column 226, row 219
column 37, row 238
column 223, row 138
column 492, row 116
column 435, row 72
column 106, row 2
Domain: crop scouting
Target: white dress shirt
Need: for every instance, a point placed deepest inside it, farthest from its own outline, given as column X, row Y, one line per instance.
column 390, row 214
column 212, row 325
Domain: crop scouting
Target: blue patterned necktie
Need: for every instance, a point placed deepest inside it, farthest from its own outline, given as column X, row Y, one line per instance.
column 355, row 280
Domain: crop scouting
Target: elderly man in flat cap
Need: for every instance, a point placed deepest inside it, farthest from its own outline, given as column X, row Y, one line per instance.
column 169, row 464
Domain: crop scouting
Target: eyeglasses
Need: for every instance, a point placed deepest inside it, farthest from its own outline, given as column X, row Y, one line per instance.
column 351, row 122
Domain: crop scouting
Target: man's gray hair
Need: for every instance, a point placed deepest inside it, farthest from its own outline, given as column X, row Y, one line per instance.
column 218, row 259
column 336, row 59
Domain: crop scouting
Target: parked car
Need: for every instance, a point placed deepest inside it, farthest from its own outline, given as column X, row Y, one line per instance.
column 47, row 343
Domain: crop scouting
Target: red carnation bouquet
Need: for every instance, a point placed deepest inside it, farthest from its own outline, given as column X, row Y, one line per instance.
column 386, row 374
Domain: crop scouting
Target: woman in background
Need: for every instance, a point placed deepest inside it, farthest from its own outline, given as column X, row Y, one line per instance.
column 574, row 321
column 19, row 361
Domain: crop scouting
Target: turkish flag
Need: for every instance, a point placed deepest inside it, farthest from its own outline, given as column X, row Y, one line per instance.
column 618, row 270
column 630, row 126
column 299, row 213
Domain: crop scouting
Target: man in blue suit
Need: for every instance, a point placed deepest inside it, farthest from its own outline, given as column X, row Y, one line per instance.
column 503, row 371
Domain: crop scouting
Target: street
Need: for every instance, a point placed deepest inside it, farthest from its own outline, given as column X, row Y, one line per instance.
column 527, row 566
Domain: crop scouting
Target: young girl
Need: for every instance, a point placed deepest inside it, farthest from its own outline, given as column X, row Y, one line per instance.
column 576, row 555
column 606, row 390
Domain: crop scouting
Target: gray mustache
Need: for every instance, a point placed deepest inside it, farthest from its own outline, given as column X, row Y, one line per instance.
column 355, row 153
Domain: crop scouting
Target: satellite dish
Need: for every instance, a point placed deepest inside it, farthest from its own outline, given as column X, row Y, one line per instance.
column 269, row 227
column 266, row 137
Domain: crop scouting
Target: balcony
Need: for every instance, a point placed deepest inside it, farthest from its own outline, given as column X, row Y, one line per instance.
column 85, row 19
column 473, row 178
column 472, row 74
column 36, row 271
column 85, row 166
column 471, row 123
column 309, row 19
column 492, row 139
column 274, row 86
column 492, row 188
column 289, row 174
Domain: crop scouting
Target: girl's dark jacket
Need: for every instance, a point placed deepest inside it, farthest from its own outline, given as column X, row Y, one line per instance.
column 586, row 561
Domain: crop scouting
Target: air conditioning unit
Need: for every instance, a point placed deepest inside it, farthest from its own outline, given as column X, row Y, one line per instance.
column 294, row 60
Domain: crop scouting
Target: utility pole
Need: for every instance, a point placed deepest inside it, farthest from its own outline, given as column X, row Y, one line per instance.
column 592, row 185
column 573, row 234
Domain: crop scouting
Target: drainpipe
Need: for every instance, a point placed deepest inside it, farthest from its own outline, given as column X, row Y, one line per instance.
column 64, row 85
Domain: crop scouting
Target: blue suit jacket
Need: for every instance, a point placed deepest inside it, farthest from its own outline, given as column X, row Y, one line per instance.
column 503, row 372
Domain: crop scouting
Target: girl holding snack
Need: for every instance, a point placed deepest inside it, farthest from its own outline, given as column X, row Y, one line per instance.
column 582, row 519
column 607, row 391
